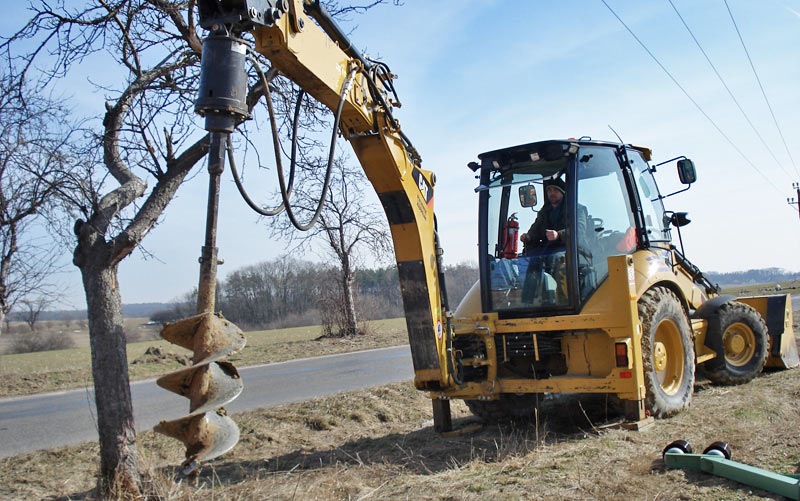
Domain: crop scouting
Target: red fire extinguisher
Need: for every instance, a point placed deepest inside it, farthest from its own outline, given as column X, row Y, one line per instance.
column 510, row 237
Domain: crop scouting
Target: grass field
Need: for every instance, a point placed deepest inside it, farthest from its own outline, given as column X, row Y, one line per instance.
column 27, row 373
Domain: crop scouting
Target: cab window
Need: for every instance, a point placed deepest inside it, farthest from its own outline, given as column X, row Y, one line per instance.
column 523, row 277
column 609, row 228
column 652, row 205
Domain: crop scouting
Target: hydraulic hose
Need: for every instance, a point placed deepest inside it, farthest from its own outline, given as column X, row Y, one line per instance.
column 284, row 189
column 237, row 178
column 331, row 153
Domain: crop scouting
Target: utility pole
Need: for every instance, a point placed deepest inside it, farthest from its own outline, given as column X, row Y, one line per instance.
column 792, row 200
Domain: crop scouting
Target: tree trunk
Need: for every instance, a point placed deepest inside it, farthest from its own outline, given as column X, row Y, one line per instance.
column 351, row 324
column 119, row 469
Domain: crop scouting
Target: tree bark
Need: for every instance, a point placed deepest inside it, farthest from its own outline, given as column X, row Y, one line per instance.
column 348, row 281
column 119, row 468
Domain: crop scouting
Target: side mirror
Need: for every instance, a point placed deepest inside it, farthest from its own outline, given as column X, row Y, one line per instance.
column 527, row 195
column 686, row 171
column 679, row 219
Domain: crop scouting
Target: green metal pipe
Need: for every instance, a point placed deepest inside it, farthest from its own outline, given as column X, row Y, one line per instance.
column 784, row 485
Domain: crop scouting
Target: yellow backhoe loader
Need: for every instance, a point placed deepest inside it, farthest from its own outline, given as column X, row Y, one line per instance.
column 604, row 304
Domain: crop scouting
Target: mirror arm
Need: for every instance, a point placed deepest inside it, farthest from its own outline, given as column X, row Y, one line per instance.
column 662, row 197
column 668, row 161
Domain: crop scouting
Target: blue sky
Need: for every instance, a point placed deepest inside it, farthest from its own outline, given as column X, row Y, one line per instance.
column 481, row 75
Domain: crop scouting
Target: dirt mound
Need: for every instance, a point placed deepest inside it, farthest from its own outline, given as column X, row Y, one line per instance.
column 157, row 355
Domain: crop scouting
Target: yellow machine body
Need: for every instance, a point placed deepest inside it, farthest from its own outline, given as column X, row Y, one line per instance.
column 609, row 317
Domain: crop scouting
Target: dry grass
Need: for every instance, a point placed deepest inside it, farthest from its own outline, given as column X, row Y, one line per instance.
column 64, row 369
column 379, row 444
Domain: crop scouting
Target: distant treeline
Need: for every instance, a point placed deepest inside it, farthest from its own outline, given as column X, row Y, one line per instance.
column 288, row 292
column 750, row 277
column 133, row 310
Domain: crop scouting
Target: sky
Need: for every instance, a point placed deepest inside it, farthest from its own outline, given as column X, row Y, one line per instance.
column 476, row 76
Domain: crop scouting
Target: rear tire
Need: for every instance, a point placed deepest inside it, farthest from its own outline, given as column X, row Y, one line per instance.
column 742, row 340
column 509, row 407
column 667, row 353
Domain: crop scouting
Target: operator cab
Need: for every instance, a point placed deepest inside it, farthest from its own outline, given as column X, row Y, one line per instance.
column 611, row 205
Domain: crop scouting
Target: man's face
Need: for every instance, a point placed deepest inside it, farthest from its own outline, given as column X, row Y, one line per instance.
column 554, row 195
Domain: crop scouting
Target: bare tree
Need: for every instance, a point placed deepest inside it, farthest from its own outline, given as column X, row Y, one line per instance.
column 36, row 156
column 33, row 308
column 347, row 226
column 147, row 127
column 147, row 135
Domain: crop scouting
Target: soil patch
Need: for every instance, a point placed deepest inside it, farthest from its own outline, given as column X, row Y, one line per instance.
column 158, row 355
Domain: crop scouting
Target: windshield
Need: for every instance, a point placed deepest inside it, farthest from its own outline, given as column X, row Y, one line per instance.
column 524, row 273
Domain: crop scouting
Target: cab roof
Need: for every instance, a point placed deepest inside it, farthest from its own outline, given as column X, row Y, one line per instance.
column 552, row 149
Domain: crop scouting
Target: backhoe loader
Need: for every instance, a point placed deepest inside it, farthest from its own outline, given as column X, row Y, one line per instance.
column 610, row 306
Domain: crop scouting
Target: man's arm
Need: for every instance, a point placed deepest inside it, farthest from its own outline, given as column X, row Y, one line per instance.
column 530, row 238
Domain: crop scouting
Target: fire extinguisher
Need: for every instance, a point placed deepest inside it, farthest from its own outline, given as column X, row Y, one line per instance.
column 510, row 237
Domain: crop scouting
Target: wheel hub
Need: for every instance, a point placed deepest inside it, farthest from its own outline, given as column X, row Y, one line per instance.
column 659, row 356
column 734, row 344
column 668, row 361
column 739, row 343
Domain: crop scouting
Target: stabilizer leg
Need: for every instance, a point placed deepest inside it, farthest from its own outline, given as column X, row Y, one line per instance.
column 442, row 420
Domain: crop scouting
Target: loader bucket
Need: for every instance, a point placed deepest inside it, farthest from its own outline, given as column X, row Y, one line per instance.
column 206, row 435
column 207, row 386
column 777, row 313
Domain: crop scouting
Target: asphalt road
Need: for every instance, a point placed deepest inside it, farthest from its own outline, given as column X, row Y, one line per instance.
column 53, row 420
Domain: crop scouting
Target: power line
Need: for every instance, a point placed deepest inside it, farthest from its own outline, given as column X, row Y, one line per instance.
column 699, row 108
column 780, row 132
column 730, row 93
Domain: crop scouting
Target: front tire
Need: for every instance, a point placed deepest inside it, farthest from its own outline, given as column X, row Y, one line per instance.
column 741, row 340
column 667, row 353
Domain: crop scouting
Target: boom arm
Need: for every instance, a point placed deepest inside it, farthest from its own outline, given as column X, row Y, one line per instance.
column 299, row 49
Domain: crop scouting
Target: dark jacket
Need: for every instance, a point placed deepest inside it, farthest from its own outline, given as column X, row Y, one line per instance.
column 544, row 221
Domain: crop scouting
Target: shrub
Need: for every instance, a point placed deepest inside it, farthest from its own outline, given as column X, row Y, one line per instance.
column 17, row 328
column 38, row 341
